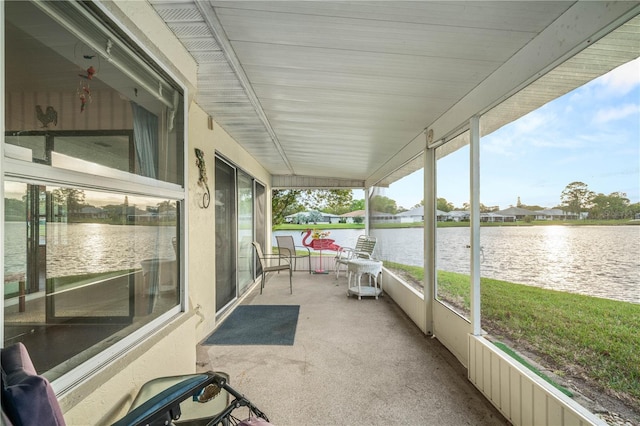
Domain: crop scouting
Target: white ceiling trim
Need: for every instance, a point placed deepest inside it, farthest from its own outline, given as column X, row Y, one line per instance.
column 210, row 17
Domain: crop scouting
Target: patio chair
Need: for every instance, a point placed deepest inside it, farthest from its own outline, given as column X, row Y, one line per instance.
column 363, row 250
column 286, row 246
column 265, row 261
column 28, row 399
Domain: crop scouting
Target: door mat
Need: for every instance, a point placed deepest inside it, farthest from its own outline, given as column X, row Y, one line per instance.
column 258, row 325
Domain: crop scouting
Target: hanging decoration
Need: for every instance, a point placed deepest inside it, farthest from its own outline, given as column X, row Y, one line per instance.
column 84, row 94
column 84, row 89
column 202, row 180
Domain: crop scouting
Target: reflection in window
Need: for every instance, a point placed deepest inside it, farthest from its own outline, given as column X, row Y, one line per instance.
column 245, row 231
column 84, row 107
column 83, row 267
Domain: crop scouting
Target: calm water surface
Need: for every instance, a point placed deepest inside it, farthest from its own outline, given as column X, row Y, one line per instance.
column 602, row 261
column 80, row 248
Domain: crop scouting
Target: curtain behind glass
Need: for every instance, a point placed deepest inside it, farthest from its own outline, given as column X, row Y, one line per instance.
column 145, row 135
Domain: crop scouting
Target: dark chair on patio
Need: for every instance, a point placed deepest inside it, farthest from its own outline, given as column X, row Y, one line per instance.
column 267, row 260
column 28, row 399
column 287, row 247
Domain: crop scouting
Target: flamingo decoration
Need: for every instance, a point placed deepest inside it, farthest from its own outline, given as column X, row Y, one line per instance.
column 319, row 244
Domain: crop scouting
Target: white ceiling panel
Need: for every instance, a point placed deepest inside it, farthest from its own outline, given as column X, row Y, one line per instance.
column 331, row 92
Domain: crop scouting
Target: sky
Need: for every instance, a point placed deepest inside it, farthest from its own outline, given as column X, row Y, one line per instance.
column 590, row 135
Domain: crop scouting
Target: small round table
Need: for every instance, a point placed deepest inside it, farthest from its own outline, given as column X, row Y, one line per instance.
column 359, row 267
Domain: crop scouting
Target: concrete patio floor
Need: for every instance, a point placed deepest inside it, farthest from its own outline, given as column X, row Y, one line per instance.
column 353, row 362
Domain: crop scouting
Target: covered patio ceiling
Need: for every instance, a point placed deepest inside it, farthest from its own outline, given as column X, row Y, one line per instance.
column 341, row 94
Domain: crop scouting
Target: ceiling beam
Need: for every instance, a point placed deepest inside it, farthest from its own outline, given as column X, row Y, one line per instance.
column 211, row 18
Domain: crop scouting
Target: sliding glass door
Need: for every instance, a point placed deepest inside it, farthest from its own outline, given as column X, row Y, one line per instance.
column 241, row 204
column 225, row 201
column 245, row 231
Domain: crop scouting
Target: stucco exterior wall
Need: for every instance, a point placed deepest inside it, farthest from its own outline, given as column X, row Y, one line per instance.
column 107, row 395
column 201, row 226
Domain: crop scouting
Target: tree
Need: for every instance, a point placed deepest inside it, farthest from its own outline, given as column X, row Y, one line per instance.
column 612, row 206
column 315, row 216
column 15, row 209
column 327, row 200
column 166, row 206
column 285, row 202
column 576, row 197
column 488, row 209
column 73, row 198
column 443, row 205
column 356, row 205
column 633, row 210
column 533, row 208
column 382, row 204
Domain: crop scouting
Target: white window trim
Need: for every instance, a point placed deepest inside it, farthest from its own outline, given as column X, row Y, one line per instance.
column 140, row 185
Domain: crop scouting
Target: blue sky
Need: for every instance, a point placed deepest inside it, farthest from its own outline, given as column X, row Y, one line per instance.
column 591, row 135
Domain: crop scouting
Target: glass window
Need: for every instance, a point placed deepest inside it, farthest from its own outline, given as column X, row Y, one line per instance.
column 85, row 106
column 93, row 265
column 240, row 220
column 260, row 221
column 245, row 230
column 87, row 260
column 226, row 225
column 559, row 259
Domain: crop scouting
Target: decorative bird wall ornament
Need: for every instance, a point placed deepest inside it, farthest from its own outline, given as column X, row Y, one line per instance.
column 48, row 117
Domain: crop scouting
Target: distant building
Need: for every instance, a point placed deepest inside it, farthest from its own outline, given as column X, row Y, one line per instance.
column 351, row 215
column 303, row 217
column 495, row 217
column 517, row 212
column 413, row 215
column 555, row 214
column 92, row 213
column 458, row 216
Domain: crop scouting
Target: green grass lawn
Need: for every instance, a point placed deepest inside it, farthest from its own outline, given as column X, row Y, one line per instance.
column 589, row 337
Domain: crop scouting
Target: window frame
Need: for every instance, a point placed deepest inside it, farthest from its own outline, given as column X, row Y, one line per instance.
column 109, row 180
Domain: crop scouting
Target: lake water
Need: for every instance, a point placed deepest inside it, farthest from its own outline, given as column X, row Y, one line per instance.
column 602, row 261
column 80, row 248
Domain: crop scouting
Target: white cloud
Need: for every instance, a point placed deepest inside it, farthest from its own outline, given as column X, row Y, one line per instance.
column 531, row 122
column 623, row 79
column 498, row 145
column 616, row 113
